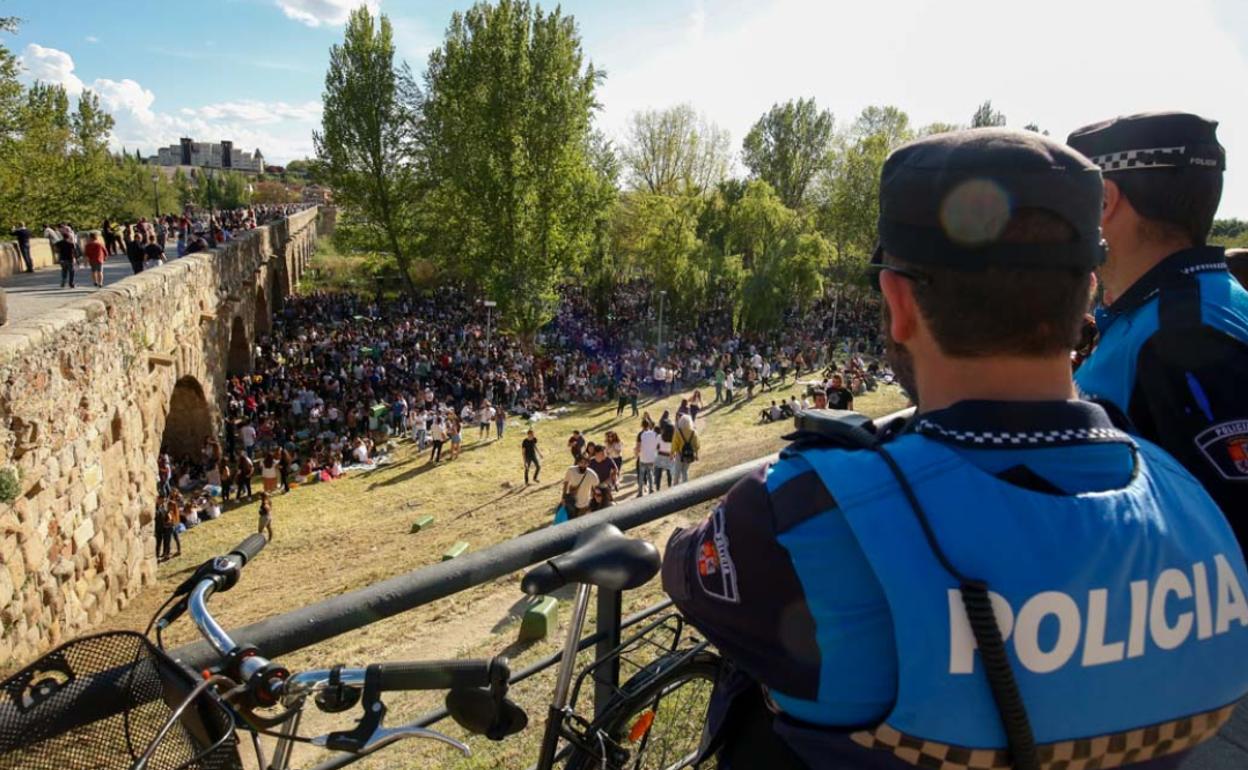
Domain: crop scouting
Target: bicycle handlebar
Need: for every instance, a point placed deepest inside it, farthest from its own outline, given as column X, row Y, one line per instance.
column 250, row 548
column 442, row 674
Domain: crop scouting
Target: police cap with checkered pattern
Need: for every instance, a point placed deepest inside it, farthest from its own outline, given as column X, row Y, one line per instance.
column 946, row 199
column 1151, row 140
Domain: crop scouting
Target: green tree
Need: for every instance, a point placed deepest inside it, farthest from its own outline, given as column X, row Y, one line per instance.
column 675, row 152
column 986, row 117
column 366, row 144
column 183, row 189
column 849, row 194
column 514, row 199
column 788, row 147
column 783, row 256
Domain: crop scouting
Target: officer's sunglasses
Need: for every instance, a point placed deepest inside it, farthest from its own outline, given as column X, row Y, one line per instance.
column 875, row 268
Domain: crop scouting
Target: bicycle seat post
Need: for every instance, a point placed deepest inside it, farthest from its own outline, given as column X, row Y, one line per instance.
column 576, row 626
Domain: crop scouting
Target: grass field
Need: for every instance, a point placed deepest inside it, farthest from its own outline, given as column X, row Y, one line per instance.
column 339, row 536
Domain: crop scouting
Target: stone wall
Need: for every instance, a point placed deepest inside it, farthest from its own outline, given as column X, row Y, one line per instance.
column 87, row 394
column 11, row 259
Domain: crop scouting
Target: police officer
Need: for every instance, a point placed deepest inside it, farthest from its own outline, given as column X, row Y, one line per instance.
column 1173, row 351
column 838, row 580
column 1237, row 263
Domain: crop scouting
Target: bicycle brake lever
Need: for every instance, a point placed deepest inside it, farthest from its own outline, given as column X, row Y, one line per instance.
column 384, row 736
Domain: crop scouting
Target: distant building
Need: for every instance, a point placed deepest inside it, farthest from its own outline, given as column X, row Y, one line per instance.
column 224, row 156
column 315, row 193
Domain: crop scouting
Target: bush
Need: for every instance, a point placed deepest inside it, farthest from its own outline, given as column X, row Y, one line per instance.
column 9, row 489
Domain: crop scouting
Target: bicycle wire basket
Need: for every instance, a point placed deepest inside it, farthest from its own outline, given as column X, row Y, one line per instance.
column 98, row 702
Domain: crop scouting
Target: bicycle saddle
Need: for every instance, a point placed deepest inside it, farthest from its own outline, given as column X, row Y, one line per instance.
column 602, row 557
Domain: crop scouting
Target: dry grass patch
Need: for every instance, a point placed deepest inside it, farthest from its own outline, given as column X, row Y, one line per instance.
column 339, row 536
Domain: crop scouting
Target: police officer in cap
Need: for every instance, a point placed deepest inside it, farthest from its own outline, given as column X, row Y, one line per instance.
column 1173, row 350
column 1011, row 580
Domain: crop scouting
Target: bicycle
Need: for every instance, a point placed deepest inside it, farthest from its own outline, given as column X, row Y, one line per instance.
column 634, row 730
column 116, row 700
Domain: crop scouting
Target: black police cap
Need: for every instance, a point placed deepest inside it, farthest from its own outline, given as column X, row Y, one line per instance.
column 945, row 200
column 1151, row 140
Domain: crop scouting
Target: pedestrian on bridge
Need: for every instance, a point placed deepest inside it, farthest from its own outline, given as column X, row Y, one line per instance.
column 23, row 245
column 96, row 254
column 65, row 255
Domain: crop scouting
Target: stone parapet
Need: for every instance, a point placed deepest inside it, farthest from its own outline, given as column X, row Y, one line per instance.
column 85, row 397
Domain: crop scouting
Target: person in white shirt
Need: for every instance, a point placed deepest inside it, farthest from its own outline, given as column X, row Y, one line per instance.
column 419, row 428
column 730, row 383
column 578, row 487
column 247, row 434
column 485, row 415
column 647, row 452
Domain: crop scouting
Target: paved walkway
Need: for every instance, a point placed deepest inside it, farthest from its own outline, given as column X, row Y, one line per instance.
column 30, row 294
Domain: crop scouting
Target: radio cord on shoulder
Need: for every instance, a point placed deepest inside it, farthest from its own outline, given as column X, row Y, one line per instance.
column 983, row 622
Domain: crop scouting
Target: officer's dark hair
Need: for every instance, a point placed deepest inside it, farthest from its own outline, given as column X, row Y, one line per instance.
column 1237, row 263
column 1026, row 312
column 1173, row 202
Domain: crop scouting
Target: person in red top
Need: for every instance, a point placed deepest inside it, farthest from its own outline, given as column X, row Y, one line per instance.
column 96, row 254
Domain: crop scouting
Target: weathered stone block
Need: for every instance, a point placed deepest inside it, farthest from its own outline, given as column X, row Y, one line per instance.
column 84, row 533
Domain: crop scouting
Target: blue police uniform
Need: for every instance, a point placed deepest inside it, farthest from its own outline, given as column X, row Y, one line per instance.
column 1118, row 586
column 1173, row 355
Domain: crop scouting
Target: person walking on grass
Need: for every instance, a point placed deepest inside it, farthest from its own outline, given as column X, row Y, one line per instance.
column 532, row 457
column 578, row 487
column 265, row 526
column 647, row 451
column 242, row 479
column 500, row 421
column 685, row 448
column 485, row 414
column 456, row 431
column 437, row 435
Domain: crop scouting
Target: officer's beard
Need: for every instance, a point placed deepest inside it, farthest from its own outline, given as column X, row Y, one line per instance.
column 899, row 357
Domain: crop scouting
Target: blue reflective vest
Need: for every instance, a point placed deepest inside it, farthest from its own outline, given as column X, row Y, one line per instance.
column 1173, row 356
column 1122, row 610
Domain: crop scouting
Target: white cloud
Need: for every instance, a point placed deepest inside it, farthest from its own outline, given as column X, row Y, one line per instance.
column 48, row 65
column 254, row 111
column 281, row 130
column 92, row 39
column 937, row 61
column 314, row 13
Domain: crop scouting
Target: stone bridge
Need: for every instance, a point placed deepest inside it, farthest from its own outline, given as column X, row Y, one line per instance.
column 91, row 391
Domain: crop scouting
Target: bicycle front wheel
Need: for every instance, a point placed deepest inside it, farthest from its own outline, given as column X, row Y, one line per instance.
column 656, row 724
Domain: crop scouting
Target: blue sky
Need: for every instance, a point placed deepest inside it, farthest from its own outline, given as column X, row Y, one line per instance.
column 252, row 70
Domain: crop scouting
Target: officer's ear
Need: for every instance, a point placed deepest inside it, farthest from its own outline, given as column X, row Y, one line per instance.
column 1111, row 202
column 903, row 312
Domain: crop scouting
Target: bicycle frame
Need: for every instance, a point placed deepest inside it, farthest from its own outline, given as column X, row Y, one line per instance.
column 560, row 712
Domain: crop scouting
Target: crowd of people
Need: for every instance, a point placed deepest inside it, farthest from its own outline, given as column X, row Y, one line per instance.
column 341, row 376
column 147, row 242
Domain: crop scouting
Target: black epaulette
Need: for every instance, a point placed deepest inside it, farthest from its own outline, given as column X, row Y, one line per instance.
column 832, row 428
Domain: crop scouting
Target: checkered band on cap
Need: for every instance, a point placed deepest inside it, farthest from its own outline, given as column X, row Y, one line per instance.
column 1096, row 753
column 1155, row 157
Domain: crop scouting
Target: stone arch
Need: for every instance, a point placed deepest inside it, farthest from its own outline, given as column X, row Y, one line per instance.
column 188, row 421
column 263, row 319
column 239, row 361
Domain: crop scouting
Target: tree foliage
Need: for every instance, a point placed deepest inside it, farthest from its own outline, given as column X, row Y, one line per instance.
column 516, row 187
column 366, row 144
column 986, row 117
column 675, row 152
column 788, row 147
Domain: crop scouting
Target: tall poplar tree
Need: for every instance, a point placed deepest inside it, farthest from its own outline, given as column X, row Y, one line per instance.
column 515, row 201
column 366, row 142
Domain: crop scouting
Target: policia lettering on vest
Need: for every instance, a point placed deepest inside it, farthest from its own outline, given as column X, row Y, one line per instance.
column 1011, row 580
column 1173, row 350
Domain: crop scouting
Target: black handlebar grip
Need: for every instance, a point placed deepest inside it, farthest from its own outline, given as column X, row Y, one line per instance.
column 250, row 547
column 441, row 674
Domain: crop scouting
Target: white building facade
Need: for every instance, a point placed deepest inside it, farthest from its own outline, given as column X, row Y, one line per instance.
column 223, row 155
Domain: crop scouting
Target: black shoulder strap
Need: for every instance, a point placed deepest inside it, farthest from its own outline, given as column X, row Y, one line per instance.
column 1178, row 302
